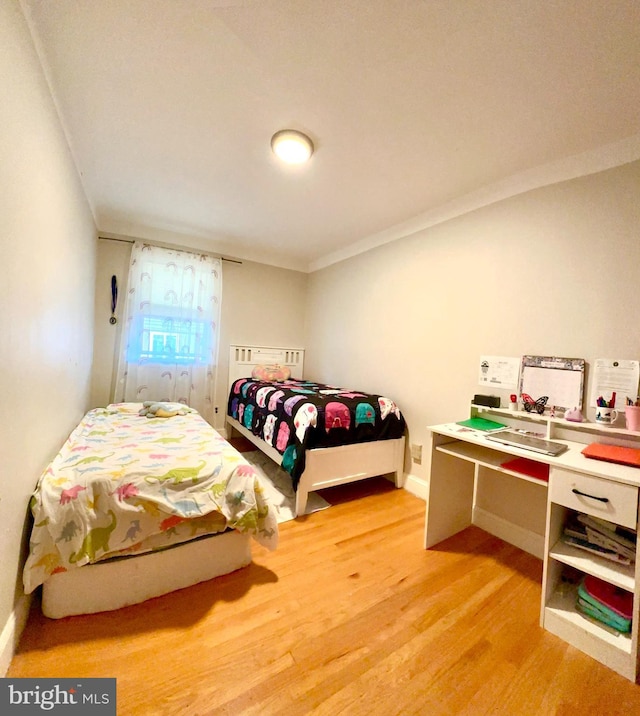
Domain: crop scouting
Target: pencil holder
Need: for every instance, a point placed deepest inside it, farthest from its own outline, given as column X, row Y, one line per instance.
column 606, row 415
column 632, row 417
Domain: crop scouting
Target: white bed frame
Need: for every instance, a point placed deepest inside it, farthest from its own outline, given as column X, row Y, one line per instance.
column 324, row 467
column 112, row 584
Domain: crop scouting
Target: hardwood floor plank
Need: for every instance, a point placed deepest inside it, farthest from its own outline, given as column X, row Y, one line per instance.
column 349, row 615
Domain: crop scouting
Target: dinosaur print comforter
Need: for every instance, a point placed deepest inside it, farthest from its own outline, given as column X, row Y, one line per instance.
column 296, row 415
column 125, row 484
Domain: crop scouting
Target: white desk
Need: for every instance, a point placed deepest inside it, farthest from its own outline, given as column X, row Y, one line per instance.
column 577, row 483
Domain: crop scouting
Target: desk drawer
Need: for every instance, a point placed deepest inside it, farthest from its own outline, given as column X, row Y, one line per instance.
column 617, row 502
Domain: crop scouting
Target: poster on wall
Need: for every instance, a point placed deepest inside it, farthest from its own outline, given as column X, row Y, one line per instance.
column 611, row 376
column 499, row 372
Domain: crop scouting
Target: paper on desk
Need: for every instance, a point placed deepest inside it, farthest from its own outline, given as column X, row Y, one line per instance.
column 455, row 428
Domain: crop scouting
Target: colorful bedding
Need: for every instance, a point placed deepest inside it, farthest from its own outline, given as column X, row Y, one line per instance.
column 296, row 415
column 125, row 484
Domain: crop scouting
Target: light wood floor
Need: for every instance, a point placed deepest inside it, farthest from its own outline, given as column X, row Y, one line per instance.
column 348, row 616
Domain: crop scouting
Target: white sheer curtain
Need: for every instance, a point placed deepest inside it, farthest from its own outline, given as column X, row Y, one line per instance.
column 169, row 344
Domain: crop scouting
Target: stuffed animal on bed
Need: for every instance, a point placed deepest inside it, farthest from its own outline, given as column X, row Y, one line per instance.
column 153, row 409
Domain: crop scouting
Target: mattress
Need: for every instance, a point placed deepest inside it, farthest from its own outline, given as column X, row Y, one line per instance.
column 124, row 484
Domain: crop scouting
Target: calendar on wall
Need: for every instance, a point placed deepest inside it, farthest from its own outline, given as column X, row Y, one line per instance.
column 560, row 379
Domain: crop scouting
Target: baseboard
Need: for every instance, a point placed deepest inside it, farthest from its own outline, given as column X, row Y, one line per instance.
column 416, row 486
column 11, row 632
column 508, row 531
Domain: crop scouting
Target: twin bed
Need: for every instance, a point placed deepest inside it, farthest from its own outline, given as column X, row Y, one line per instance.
column 322, row 435
column 134, row 507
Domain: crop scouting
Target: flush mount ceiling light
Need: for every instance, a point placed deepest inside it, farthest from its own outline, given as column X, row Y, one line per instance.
column 292, row 146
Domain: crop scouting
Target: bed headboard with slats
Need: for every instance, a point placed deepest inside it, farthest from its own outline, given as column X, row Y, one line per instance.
column 243, row 359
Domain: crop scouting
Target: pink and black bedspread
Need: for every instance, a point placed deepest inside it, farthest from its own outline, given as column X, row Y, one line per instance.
column 296, row 415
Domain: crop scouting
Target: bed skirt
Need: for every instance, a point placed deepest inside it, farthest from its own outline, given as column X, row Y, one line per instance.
column 117, row 583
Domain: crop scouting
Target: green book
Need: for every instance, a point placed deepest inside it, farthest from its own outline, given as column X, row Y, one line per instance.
column 585, row 608
column 619, row 624
column 482, row 424
column 600, row 611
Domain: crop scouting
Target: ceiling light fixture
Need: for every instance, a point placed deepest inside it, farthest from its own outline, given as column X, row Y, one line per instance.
column 292, row 146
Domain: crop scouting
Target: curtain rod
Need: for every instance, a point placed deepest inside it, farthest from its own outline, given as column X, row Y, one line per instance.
column 178, row 248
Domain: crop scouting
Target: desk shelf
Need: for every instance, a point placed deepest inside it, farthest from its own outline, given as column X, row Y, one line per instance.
column 486, row 457
column 613, row 649
column 562, row 607
column 551, row 427
column 620, row 575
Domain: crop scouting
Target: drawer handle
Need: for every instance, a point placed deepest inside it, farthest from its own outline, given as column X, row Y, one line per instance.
column 593, row 497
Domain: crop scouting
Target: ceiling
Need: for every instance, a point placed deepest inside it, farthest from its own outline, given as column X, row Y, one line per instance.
column 414, row 106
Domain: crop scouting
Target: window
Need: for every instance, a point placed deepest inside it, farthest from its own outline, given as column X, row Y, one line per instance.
column 163, row 339
column 169, row 343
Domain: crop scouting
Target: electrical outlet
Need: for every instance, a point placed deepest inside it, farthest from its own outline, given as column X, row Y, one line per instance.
column 416, row 453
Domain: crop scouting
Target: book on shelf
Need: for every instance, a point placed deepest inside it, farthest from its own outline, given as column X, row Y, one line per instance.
column 602, row 540
column 596, row 615
column 597, row 550
column 573, row 528
column 619, row 618
column 609, row 596
column 584, row 609
column 621, row 536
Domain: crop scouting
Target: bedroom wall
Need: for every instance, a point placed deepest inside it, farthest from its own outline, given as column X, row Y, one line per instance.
column 261, row 305
column 47, row 253
column 550, row 272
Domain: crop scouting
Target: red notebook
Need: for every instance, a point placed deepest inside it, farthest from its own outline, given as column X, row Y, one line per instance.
column 528, row 467
column 613, row 453
column 618, row 600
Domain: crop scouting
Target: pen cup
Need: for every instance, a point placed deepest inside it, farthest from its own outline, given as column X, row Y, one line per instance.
column 606, row 415
column 632, row 416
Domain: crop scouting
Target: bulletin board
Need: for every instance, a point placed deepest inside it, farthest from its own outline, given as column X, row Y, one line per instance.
column 561, row 379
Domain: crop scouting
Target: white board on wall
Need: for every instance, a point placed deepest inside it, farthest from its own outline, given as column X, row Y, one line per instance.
column 560, row 379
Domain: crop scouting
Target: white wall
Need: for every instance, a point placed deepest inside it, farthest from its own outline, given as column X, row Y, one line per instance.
column 261, row 305
column 550, row 272
column 113, row 260
column 47, row 255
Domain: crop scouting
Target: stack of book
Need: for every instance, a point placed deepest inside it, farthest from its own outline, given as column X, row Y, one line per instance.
column 601, row 537
column 606, row 603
